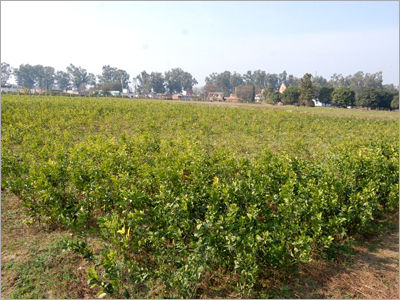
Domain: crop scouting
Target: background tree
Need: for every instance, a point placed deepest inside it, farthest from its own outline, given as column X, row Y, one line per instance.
column 63, row 80
column 245, row 92
column 374, row 98
column 143, row 83
column 272, row 80
column 157, row 82
column 25, row 76
column 235, row 80
column 282, row 77
column 358, row 81
column 271, row 95
column 307, row 91
column 91, row 80
column 48, row 78
column 112, row 75
column 395, row 102
column 39, row 76
column 325, row 94
column 337, row 80
column 221, row 82
column 248, row 78
column 292, row 81
column 319, row 80
column 177, row 80
column 188, row 81
column 79, row 77
column 291, row 95
column 343, row 96
column 6, row 72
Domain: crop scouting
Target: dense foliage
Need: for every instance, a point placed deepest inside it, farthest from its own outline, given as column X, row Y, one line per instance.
column 343, row 96
column 179, row 191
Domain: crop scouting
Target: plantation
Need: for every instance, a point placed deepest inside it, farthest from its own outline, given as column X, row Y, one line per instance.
column 177, row 192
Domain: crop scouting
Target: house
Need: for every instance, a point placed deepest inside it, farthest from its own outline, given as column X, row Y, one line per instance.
column 258, row 97
column 187, row 93
column 215, row 96
column 318, row 103
column 127, row 93
column 232, row 98
column 72, row 92
column 181, row 96
column 38, row 91
column 282, row 89
column 9, row 88
column 114, row 93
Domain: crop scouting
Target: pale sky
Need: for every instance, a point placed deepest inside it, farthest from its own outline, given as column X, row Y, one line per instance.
column 203, row 37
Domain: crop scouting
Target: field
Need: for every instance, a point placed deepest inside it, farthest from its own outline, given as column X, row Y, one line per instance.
column 166, row 199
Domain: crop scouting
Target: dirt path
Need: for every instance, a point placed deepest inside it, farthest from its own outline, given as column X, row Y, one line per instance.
column 370, row 272
column 374, row 273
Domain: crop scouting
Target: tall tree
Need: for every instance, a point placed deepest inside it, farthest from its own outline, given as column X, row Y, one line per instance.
column 272, row 80
column 113, row 75
column 63, row 80
column 260, row 79
column 319, row 80
column 374, row 98
column 143, row 83
column 6, row 72
column 157, row 82
column 248, row 78
column 79, row 77
column 337, row 80
column 25, row 76
column 292, row 81
column 235, row 80
column 48, row 78
column 282, row 78
column 343, row 96
column 325, row 94
column 221, row 82
column 291, row 95
column 307, row 91
column 178, row 80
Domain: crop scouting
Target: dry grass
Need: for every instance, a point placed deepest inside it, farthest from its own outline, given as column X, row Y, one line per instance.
column 33, row 264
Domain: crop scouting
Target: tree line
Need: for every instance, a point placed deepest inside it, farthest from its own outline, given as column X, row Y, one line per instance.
column 27, row 76
column 360, row 89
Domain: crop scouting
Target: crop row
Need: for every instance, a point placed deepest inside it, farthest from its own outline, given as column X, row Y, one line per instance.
column 170, row 210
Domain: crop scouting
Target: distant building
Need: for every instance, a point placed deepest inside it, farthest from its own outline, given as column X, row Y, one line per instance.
column 72, row 92
column 215, row 96
column 318, row 103
column 282, row 89
column 127, row 93
column 232, row 98
column 181, row 96
column 187, row 93
column 258, row 97
column 115, row 93
column 9, row 88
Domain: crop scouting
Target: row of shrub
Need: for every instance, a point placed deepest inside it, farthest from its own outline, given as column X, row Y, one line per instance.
column 171, row 212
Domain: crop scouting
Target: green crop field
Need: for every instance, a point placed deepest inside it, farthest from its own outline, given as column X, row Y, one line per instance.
column 174, row 192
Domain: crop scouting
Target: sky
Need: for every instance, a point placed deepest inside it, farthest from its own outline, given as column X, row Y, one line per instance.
column 318, row 37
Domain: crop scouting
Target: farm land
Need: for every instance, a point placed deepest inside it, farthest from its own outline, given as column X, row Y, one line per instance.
column 127, row 198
